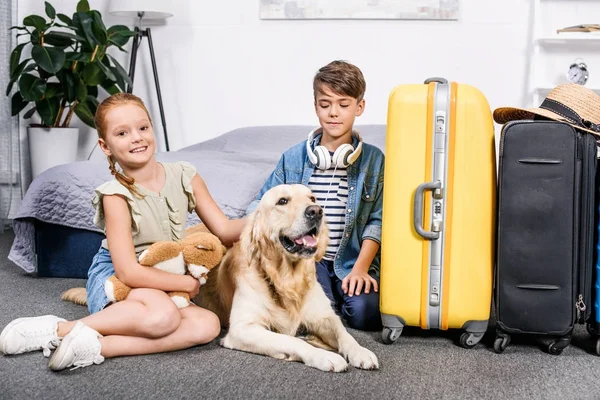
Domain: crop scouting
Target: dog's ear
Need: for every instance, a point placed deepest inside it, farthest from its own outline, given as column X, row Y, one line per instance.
column 256, row 238
column 323, row 241
column 246, row 235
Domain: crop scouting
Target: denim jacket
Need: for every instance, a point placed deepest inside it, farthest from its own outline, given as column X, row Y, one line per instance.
column 365, row 198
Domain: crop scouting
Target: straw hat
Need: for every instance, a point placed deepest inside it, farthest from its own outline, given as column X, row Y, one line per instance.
column 574, row 104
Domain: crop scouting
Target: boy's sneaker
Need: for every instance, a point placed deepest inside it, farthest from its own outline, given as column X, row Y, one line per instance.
column 30, row 334
column 79, row 348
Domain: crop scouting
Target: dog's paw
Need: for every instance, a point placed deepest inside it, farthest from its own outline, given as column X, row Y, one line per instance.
column 359, row 357
column 326, row 361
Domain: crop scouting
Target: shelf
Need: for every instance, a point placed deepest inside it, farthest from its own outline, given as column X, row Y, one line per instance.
column 545, row 89
column 571, row 38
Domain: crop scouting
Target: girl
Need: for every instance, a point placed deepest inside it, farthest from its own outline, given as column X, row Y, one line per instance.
column 146, row 203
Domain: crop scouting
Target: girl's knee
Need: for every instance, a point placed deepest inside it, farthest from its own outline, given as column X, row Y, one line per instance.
column 160, row 323
column 206, row 327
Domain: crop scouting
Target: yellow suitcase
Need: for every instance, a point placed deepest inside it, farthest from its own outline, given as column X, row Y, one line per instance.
column 439, row 203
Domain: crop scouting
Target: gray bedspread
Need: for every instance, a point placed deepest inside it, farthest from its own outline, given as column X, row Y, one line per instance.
column 234, row 166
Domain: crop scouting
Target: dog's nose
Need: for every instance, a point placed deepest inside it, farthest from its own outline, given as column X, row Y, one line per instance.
column 313, row 213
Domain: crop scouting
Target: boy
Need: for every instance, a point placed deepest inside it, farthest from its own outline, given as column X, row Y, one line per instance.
column 346, row 177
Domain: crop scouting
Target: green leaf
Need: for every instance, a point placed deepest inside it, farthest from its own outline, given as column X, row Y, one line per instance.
column 31, row 87
column 30, row 67
column 70, row 36
column 76, row 56
column 19, row 69
column 29, row 113
column 92, row 74
column 48, row 109
column 53, row 89
column 85, row 111
column 65, row 19
column 50, row 11
column 119, row 35
column 59, row 39
column 15, row 56
column 98, row 27
column 35, row 37
column 117, row 46
column 107, row 71
column 36, row 21
column 68, row 83
column 85, row 21
column 93, row 103
column 83, row 6
column 9, row 86
column 50, row 59
column 121, row 74
column 81, row 89
column 92, row 91
column 17, row 104
column 110, row 87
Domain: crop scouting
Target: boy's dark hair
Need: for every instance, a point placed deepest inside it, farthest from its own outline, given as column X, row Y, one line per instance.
column 342, row 78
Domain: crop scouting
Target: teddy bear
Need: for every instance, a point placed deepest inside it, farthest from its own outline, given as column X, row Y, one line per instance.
column 196, row 254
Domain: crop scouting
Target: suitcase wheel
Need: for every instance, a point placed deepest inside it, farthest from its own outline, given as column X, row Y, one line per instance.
column 389, row 335
column 557, row 347
column 500, row 343
column 591, row 328
column 598, row 347
column 468, row 340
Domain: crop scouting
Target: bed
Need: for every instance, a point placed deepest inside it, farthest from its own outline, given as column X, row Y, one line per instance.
column 54, row 231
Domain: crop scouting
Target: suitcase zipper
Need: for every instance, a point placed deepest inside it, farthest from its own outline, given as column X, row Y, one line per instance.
column 587, row 154
column 581, row 307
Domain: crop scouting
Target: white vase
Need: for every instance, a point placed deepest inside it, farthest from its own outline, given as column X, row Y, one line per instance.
column 49, row 147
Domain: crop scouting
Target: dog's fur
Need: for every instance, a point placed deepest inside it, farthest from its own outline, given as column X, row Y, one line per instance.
column 265, row 289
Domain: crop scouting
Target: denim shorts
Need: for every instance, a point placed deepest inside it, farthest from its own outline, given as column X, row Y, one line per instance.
column 100, row 270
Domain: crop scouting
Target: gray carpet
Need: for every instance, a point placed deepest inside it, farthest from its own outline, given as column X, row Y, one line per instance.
column 419, row 365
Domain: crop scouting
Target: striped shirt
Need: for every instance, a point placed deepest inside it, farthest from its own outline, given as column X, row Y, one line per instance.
column 330, row 188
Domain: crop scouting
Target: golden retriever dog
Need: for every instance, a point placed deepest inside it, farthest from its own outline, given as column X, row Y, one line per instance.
column 266, row 289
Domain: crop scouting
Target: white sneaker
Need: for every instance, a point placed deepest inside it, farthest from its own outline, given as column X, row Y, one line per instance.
column 79, row 348
column 30, row 334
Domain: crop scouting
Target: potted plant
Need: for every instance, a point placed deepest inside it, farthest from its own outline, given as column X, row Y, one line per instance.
column 61, row 77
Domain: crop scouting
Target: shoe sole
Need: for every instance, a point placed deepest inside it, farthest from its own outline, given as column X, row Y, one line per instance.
column 60, row 353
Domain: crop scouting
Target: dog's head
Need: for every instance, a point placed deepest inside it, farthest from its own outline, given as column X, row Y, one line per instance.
column 288, row 219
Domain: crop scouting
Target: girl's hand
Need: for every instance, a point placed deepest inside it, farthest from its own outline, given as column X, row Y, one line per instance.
column 193, row 286
column 356, row 280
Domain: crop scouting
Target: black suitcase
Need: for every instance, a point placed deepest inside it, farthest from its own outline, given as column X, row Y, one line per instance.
column 544, row 259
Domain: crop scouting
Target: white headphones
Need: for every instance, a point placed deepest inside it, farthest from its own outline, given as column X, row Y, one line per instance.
column 343, row 156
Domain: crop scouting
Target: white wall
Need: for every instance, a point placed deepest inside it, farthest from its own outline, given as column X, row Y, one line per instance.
column 221, row 67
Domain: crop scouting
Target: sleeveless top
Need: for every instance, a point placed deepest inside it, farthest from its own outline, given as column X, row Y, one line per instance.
column 157, row 216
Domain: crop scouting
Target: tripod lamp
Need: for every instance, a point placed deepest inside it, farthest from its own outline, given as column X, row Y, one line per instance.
column 142, row 10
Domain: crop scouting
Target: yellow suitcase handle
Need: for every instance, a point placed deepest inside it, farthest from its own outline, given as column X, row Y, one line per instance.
column 418, row 209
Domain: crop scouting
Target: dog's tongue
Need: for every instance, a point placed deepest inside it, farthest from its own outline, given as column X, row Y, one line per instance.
column 306, row 240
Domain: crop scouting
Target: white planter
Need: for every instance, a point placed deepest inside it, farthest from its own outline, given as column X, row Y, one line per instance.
column 49, row 147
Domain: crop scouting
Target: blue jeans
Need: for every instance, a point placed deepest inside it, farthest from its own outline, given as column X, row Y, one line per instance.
column 100, row 270
column 362, row 311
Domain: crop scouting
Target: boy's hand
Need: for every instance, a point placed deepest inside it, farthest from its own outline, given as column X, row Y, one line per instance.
column 358, row 279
